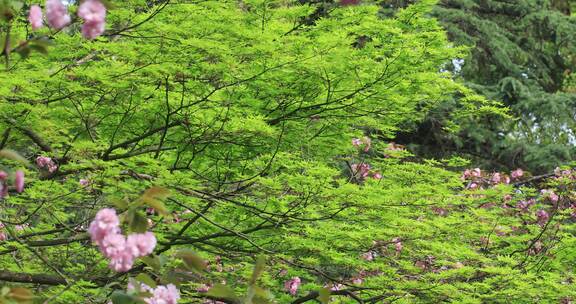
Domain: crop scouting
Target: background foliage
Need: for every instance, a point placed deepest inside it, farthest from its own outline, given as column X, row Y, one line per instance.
column 245, row 111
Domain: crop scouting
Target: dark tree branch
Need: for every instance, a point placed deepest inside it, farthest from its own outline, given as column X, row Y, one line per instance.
column 39, row 278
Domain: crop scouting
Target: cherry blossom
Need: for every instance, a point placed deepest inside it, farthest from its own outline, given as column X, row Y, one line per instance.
column 57, row 14
column 292, row 285
column 542, row 217
column 93, row 12
column 516, row 174
column 46, row 163
column 35, row 17
column 19, row 181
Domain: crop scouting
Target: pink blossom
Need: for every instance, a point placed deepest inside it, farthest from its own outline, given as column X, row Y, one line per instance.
column 397, row 245
column 466, row 174
column 524, row 205
column 473, row 186
column 141, row 244
column 106, row 222
column 377, row 175
column 47, row 163
column 516, row 174
column 3, row 236
column 496, row 178
column 357, row 281
column 203, row 288
column 168, row 294
column 476, row 172
column 92, row 30
column 121, row 262
column 35, row 17
column 368, row 256
column 549, row 194
column 114, row 245
column 3, row 189
column 21, row 227
column 367, row 143
column 363, row 170
column 336, row 287
column 57, row 14
column 94, row 14
column 3, row 175
column 542, row 217
column 134, row 285
column 19, row 181
column 562, row 172
column 84, row 182
column 292, row 285
column 121, row 250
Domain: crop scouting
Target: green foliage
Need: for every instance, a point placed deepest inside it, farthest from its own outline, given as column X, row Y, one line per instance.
column 246, row 114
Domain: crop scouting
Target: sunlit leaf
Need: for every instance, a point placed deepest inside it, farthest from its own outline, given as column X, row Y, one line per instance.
column 119, row 297
column 258, row 268
column 137, row 222
column 146, row 279
column 191, row 260
column 153, row 197
column 223, row 292
column 13, row 155
column 21, row 295
column 324, row 295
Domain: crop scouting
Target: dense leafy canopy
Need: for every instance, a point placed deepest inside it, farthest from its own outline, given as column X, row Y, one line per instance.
column 521, row 53
column 254, row 139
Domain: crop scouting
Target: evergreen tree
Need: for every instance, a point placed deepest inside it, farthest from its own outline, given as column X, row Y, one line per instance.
column 522, row 54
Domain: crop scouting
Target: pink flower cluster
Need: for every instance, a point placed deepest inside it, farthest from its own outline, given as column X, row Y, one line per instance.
column 477, row 179
column 93, row 12
column 57, row 14
column 550, row 195
column 564, row 173
column 3, row 235
column 292, row 285
column 364, row 142
column 168, row 294
column 368, row 256
column 524, row 205
column 542, row 217
column 121, row 250
column 517, row 174
column 363, row 170
column 46, row 163
column 397, row 245
column 35, row 17
column 18, row 182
